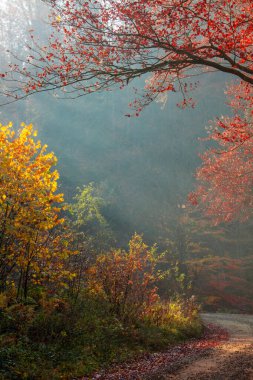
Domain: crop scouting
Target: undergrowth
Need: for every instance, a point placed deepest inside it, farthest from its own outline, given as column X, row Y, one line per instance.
column 60, row 339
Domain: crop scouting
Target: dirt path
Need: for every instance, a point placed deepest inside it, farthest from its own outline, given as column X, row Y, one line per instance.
column 231, row 360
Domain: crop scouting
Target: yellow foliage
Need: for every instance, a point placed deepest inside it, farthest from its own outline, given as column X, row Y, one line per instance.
column 30, row 208
column 174, row 313
column 3, row 300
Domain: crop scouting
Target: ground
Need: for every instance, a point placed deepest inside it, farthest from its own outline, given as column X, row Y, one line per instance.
column 231, row 360
column 216, row 356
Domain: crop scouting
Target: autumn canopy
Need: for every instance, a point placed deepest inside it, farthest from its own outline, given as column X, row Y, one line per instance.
column 96, row 45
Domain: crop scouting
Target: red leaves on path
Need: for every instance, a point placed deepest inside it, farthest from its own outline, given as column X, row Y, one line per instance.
column 151, row 364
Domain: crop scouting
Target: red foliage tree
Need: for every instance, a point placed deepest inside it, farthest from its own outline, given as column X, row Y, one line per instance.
column 97, row 44
column 226, row 175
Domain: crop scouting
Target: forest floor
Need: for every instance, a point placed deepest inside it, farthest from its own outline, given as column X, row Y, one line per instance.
column 224, row 352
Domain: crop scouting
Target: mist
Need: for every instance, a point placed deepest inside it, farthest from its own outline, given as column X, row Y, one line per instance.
column 144, row 166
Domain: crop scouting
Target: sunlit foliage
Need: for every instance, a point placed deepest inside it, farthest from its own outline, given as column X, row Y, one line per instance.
column 226, row 176
column 127, row 279
column 32, row 248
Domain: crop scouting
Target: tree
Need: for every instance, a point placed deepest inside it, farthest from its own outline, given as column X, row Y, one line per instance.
column 88, row 220
column 97, row 44
column 223, row 282
column 226, row 175
column 33, row 239
column 91, row 232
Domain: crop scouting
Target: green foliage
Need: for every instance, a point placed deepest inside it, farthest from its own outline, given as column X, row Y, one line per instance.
column 87, row 207
column 88, row 219
column 58, row 339
column 92, row 233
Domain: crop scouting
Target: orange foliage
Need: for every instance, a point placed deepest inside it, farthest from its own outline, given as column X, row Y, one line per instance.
column 127, row 279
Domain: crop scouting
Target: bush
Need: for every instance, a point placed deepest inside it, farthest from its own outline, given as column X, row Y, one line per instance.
column 127, row 280
column 178, row 316
column 60, row 339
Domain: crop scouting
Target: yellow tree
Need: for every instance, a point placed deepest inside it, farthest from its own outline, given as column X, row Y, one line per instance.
column 33, row 237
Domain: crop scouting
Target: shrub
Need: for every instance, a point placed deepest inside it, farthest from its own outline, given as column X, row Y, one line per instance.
column 127, row 280
column 180, row 316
